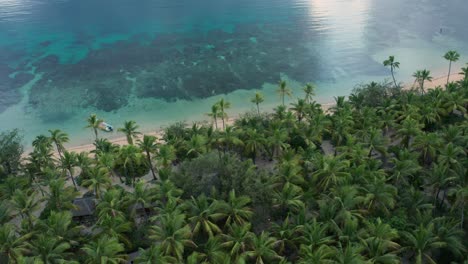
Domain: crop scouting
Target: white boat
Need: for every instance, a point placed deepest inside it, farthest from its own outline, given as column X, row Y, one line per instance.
column 106, row 127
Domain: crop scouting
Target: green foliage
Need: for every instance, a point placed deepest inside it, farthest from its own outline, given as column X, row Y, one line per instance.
column 11, row 150
column 379, row 178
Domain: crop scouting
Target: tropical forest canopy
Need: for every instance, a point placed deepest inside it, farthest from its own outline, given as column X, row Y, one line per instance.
column 381, row 177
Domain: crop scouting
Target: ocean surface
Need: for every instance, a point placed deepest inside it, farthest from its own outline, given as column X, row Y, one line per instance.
column 159, row 61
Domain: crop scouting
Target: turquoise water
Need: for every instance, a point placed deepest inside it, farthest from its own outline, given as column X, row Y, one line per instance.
column 158, row 61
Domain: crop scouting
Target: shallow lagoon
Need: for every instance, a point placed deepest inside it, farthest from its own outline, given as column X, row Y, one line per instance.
column 157, row 62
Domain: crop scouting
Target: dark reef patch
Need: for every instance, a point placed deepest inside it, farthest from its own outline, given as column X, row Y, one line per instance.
column 176, row 66
column 9, row 93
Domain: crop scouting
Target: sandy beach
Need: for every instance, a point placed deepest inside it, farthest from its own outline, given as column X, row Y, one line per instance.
column 438, row 81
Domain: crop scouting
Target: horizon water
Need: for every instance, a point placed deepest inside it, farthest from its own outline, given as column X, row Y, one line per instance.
column 158, row 62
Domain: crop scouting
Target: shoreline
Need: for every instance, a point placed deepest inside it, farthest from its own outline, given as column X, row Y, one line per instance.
column 440, row 80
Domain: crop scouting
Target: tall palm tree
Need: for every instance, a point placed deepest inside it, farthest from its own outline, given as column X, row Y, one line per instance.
column 390, row 62
column 104, row 250
column 49, row 249
column 12, row 244
column 99, row 179
column 130, row 130
column 93, row 123
column 288, row 199
column 149, row 146
column 451, row 56
column 223, row 106
column 309, row 90
column 59, row 138
column 166, row 155
column 173, row 234
column 262, row 249
column 254, row 142
column 257, row 100
column 107, row 160
column 68, row 162
column 215, row 114
column 283, row 91
column 422, row 76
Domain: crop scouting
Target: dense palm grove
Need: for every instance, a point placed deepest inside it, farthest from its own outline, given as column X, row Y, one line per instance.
column 379, row 178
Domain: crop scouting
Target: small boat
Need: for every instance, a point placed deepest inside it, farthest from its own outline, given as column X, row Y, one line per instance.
column 106, row 127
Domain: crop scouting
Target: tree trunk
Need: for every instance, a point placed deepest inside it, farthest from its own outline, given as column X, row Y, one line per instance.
column 151, row 165
column 393, row 76
column 73, row 179
column 222, row 118
column 258, row 109
column 450, row 68
column 216, row 122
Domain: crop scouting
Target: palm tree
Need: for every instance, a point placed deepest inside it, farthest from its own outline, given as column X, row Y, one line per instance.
column 309, row 90
column 223, row 105
column 349, row 254
column 390, row 62
column 49, row 249
column 152, row 255
column 283, row 91
column 236, row 240
column 311, row 255
column 422, row 76
column 407, row 130
column 12, row 245
column 330, row 171
column 254, row 143
column 99, row 178
column 173, row 234
column 451, row 56
column 59, row 138
column 380, row 196
column 112, row 203
column 60, row 197
column 130, row 131
column 149, row 146
column 166, row 155
column 68, row 162
column 25, row 202
column 203, row 215
column 130, row 157
column 215, row 114
column 93, row 123
column 427, row 144
column 107, row 160
column 288, row 199
column 262, row 249
column 105, row 250
column 300, row 108
column 60, row 225
column 421, row 242
column 118, row 227
column 237, row 210
column 142, row 196
column 464, row 72
column 257, row 100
